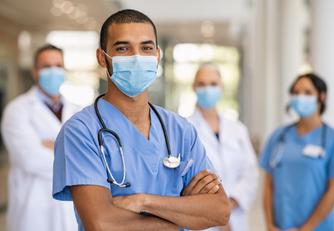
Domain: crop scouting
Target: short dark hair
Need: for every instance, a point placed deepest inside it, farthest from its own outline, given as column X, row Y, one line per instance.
column 46, row 47
column 124, row 16
column 318, row 83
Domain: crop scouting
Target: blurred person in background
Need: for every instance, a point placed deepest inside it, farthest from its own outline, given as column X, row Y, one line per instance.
column 30, row 125
column 299, row 164
column 227, row 145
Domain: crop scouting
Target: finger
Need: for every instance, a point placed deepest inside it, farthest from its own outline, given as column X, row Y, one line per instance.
column 214, row 186
column 206, row 180
column 195, row 180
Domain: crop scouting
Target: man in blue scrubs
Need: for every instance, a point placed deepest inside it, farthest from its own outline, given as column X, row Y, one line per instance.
column 159, row 198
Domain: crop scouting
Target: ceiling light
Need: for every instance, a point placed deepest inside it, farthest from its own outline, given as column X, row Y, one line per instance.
column 82, row 18
column 56, row 11
column 74, row 14
column 67, row 7
column 208, row 29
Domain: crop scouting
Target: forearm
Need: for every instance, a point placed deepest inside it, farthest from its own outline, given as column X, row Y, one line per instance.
column 128, row 221
column 268, row 200
column 322, row 210
column 97, row 212
column 191, row 212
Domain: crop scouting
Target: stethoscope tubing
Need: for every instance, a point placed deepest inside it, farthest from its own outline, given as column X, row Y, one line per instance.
column 100, row 140
column 281, row 145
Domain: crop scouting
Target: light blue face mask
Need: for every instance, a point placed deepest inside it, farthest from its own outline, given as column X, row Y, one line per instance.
column 207, row 97
column 50, row 79
column 133, row 74
column 304, row 105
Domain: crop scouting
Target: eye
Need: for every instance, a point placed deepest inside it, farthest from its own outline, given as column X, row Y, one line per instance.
column 147, row 48
column 121, row 48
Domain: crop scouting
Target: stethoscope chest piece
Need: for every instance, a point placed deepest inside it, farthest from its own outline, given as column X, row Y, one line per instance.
column 172, row 162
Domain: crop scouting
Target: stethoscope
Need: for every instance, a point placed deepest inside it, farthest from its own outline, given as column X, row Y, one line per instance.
column 169, row 162
column 278, row 150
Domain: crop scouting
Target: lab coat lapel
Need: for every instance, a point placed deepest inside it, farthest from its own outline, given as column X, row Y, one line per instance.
column 205, row 130
column 42, row 114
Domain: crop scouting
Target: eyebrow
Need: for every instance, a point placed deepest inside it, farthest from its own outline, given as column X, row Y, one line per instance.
column 148, row 42
column 120, row 43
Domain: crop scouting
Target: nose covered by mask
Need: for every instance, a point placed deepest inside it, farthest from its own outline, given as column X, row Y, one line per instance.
column 304, row 105
column 207, row 97
column 133, row 74
column 50, row 79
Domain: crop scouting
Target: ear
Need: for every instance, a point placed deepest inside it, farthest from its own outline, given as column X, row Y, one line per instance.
column 100, row 56
column 34, row 74
column 323, row 97
column 159, row 55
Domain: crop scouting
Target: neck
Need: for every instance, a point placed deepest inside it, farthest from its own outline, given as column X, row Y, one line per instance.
column 55, row 99
column 135, row 109
column 208, row 114
column 305, row 125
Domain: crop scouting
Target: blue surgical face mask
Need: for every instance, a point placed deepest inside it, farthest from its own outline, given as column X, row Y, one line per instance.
column 133, row 74
column 304, row 105
column 50, row 79
column 207, row 97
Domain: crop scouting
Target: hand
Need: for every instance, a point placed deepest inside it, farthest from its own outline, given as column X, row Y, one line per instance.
column 202, row 183
column 49, row 144
column 293, row 229
column 225, row 228
column 273, row 228
column 132, row 202
column 233, row 203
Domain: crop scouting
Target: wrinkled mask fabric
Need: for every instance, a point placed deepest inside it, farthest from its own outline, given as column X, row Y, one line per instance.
column 304, row 105
column 133, row 74
column 50, row 79
column 207, row 97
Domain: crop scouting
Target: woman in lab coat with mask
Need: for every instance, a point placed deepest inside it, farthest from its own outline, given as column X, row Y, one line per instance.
column 227, row 145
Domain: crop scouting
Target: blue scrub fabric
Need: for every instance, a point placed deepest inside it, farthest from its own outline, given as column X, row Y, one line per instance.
column 78, row 160
column 299, row 181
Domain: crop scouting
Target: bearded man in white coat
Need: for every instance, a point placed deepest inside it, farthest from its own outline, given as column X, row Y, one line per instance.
column 227, row 145
column 30, row 125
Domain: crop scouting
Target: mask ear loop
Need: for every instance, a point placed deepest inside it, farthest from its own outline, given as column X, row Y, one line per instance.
column 107, row 63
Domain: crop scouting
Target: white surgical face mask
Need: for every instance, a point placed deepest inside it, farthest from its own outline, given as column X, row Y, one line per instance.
column 133, row 74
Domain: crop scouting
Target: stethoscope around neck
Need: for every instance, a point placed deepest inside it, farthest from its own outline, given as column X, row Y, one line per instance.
column 277, row 152
column 169, row 162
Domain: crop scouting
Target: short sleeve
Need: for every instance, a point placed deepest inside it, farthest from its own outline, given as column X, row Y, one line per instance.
column 198, row 153
column 77, row 160
column 265, row 155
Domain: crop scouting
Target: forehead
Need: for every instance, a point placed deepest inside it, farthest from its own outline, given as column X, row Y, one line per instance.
column 207, row 74
column 130, row 32
column 50, row 56
column 304, row 83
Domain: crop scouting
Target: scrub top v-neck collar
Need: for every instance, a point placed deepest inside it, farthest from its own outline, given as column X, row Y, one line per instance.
column 307, row 137
column 112, row 117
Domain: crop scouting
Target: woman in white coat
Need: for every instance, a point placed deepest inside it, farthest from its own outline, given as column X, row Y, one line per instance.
column 29, row 128
column 228, row 147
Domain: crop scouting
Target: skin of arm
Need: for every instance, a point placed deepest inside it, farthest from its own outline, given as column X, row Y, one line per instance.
column 267, row 201
column 194, row 211
column 95, row 207
column 49, row 144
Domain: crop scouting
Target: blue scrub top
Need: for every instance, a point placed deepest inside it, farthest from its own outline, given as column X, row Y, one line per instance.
column 78, row 160
column 299, row 181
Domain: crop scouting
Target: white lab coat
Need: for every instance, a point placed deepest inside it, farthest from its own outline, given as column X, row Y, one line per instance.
column 27, row 121
column 235, row 161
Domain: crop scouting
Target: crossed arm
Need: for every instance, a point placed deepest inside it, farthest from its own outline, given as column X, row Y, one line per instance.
column 203, row 204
